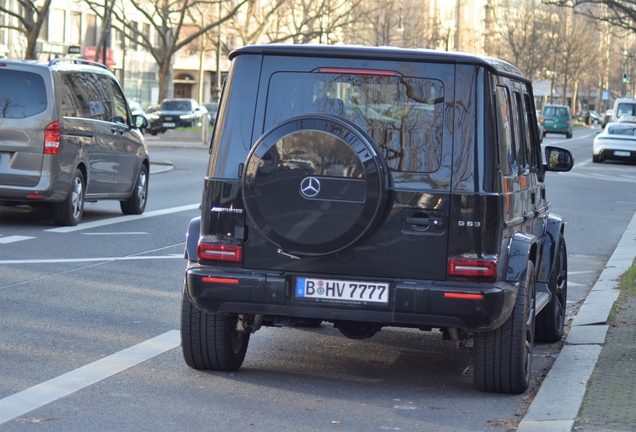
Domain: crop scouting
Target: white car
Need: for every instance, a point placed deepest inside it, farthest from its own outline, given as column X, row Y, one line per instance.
column 616, row 142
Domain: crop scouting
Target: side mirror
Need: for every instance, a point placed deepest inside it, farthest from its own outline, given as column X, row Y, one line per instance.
column 558, row 159
column 140, row 121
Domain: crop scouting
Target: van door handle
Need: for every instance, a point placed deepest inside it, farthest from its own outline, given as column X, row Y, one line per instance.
column 424, row 221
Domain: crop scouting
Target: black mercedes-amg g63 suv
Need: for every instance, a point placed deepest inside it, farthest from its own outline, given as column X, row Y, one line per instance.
column 372, row 187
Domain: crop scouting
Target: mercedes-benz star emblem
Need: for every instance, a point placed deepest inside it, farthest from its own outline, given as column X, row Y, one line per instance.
column 309, row 187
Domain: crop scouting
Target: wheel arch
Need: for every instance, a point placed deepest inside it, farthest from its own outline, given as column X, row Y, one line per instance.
column 192, row 239
column 554, row 228
column 521, row 249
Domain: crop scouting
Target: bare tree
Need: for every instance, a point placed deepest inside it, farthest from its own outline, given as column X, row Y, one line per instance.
column 173, row 27
column 30, row 17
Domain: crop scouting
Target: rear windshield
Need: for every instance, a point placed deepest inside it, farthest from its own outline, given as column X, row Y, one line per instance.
column 625, row 108
column 22, row 94
column 619, row 129
column 404, row 116
column 555, row 112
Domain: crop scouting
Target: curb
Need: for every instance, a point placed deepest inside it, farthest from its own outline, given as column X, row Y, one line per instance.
column 558, row 402
column 160, row 167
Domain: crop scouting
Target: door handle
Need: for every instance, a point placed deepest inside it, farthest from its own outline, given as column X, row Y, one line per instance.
column 424, row 221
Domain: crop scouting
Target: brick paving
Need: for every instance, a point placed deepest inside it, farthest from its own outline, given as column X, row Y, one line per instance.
column 610, row 400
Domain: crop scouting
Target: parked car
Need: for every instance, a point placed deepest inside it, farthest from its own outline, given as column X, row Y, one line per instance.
column 557, row 119
column 616, row 142
column 67, row 137
column 313, row 212
column 175, row 113
column 213, row 108
column 594, row 117
column 607, row 117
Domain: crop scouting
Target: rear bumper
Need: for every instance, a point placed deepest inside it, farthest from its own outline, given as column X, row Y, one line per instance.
column 413, row 303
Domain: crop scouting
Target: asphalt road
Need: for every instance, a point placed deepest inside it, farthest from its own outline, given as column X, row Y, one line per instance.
column 89, row 323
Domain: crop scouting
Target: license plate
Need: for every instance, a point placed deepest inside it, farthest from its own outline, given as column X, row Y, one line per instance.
column 168, row 125
column 622, row 153
column 547, row 121
column 343, row 291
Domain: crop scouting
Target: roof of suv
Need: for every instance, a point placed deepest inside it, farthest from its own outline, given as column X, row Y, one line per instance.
column 388, row 53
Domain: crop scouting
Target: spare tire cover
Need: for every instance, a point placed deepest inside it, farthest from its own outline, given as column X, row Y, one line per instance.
column 315, row 185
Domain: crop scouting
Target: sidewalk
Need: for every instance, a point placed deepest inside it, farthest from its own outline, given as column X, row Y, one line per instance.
column 592, row 354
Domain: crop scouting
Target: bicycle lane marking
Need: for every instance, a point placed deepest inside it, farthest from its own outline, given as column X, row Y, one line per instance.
column 50, row 391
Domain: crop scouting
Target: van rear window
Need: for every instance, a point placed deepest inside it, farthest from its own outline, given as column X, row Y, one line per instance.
column 404, row 116
column 22, row 94
column 625, row 109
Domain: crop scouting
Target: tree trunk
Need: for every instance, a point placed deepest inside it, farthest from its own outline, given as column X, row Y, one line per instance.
column 166, row 85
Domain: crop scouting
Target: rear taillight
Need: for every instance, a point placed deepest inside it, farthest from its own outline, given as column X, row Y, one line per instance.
column 472, row 268
column 52, row 139
column 219, row 252
column 567, row 122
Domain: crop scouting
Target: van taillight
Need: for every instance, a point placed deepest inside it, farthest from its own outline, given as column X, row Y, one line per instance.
column 52, row 139
column 219, row 252
column 472, row 268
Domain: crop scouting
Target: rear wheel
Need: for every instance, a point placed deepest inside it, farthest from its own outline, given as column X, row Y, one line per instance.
column 208, row 341
column 69, row 212
column 502, row 359
column 136, row 204
column 596, row 158
column 551, row 320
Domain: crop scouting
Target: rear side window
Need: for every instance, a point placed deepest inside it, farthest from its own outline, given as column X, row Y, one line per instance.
column 404, row 116
column 87, row 95
column 507, row 153
column 22, row 94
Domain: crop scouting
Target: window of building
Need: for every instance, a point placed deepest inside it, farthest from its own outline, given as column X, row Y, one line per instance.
column 57, row 25
column 75, row 30
column 90, row 35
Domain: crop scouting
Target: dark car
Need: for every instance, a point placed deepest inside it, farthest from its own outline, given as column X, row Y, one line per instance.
column 377, row 187
column 67, row 136
column 175, row 113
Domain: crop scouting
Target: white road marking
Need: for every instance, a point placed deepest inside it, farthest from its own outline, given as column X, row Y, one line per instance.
column 127, row 218
column 13, row 239
column 71, row 382
column 116, row 233
column 86, row 260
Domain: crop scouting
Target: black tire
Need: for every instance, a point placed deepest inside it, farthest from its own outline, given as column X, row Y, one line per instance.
column 551, row 320
column 136, row 204
column 208, row 341
column 596, row 158
column 69, row 212
column 568, row 135
column 502, row 359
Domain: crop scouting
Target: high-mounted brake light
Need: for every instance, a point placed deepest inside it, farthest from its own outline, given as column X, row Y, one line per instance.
column 472, row 268
column 52, row 138
column 358, row 71
column 219, row 252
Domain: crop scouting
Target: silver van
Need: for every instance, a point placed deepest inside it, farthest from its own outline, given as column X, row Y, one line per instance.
column 67, row 136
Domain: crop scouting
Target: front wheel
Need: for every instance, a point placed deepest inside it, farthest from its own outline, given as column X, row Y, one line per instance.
column 502, row 358
column 551, row 320
column 69, row 212
column 208, row 341
column 136, row 204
